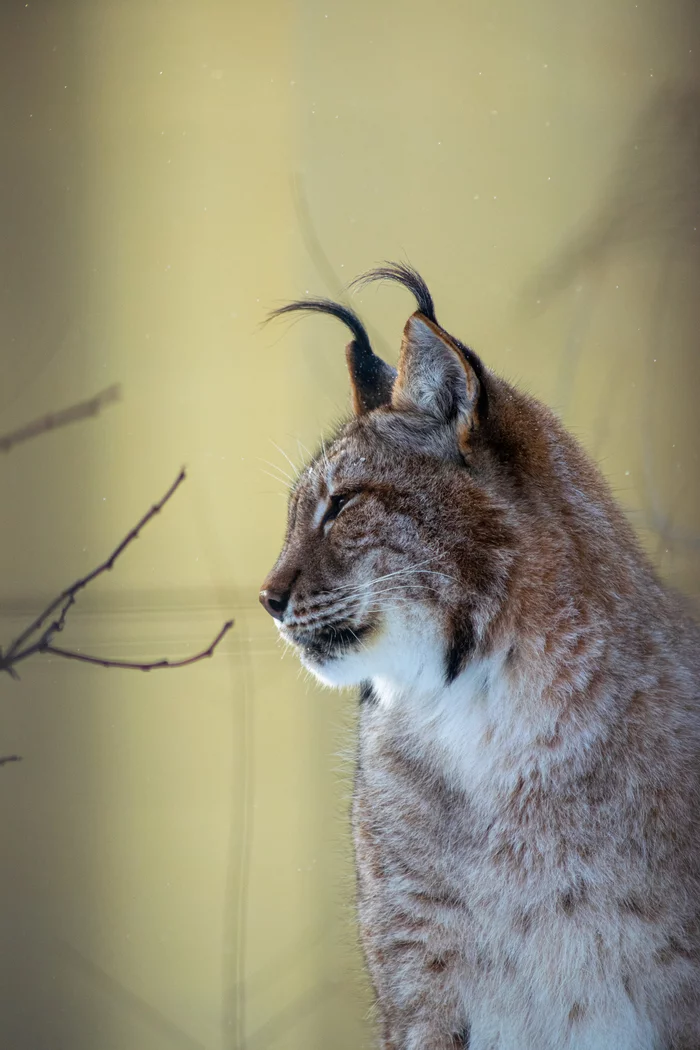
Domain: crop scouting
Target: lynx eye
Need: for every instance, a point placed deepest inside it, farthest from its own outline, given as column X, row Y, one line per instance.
column 337, row 502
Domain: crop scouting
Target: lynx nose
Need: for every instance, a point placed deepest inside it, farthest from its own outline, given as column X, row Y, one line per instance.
column 274, row 601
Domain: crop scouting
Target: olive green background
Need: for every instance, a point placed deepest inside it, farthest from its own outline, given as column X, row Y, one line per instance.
column 176, row 867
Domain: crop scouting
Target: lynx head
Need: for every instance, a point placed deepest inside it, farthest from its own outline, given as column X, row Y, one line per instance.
column 405, row 532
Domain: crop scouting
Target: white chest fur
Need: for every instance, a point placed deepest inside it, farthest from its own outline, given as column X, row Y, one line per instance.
column 555, row 975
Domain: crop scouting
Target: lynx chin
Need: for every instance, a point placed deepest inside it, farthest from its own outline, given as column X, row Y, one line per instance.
column 527, row 796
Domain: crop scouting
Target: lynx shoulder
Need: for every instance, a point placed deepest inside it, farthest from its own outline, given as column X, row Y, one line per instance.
column 527, row 797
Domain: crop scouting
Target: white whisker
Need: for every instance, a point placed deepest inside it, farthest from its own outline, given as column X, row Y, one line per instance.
column 302, row 448
column 280, row 481
column 279, row 469
column 368, row 592
column 403, row 574
column 417, row 572
column 294, row 467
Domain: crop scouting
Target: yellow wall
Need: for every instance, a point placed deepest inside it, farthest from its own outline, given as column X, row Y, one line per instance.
column 176, row 866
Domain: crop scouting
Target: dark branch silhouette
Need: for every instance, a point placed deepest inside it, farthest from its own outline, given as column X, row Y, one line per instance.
column 39, row 636
column 83, row 410
column 70, row 654
column 4, row 759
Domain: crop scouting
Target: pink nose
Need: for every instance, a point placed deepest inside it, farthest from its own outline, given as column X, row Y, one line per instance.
column 274, row 601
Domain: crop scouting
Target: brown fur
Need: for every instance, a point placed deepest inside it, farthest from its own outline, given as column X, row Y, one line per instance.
column 527, row 799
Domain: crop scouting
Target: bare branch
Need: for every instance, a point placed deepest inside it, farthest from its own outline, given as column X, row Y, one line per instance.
column 83, row 410
column 38, row 637
column 67, row 597
column 69, row 654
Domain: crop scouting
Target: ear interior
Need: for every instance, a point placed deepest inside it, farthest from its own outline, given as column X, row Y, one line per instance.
column 434, row 377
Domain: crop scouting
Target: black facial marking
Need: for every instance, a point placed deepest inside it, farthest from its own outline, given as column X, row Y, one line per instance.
column 459, row 650
column 367, row 694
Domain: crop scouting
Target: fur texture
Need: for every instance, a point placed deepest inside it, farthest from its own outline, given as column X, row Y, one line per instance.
column 527, row 798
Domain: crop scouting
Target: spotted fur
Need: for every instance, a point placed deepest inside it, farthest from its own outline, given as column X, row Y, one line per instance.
column 527, row 797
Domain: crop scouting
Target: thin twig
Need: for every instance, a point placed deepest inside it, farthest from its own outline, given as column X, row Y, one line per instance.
column 67, row 597
column 83, row 410
column 38, row 636
column 69, row 654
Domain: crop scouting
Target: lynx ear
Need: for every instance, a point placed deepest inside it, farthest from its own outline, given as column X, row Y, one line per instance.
column 436, row 376
column 371, row 379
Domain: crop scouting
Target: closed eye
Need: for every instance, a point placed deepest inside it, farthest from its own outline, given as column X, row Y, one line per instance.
column 337, row 502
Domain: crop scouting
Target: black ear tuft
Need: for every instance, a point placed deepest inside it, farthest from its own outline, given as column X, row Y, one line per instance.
column 402, row 273
column 328, row 306
column 371, row 378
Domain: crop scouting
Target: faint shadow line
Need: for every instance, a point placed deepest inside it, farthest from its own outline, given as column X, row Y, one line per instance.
column 291, row 1015
column 123, row 997
column 653, row 193
column 653, row 199
column 322, row 263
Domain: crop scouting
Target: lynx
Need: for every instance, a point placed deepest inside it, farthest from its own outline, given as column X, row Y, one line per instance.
column 527, row 796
